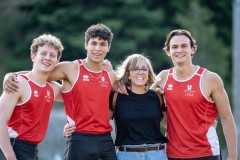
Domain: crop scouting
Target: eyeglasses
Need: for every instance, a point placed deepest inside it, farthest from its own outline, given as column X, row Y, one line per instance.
column 137, row 70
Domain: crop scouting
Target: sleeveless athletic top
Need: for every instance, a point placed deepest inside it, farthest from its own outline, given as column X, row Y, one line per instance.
column 138, row 119
column 190, row 118
column 29, row 120
column 87, row 102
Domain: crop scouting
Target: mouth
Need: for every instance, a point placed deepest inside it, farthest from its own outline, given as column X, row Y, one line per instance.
column 46, row 64
column 140, row 78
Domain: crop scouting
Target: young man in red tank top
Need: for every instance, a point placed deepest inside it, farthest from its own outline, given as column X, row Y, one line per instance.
column 194, row 97
column 24, row 115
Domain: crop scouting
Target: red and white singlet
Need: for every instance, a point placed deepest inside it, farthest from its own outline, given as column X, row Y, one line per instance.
column 190, row 118
column 29, row 120
column 87, row 102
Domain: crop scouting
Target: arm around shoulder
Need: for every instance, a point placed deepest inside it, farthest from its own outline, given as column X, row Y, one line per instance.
column 62, row 71
column 160, row 80
column 113, row 78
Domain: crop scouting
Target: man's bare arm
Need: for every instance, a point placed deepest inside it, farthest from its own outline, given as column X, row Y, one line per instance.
column 7, row 104
column 221, row 100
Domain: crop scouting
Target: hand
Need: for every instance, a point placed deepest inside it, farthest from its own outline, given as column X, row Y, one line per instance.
column 159, row 90
column 156, row 87
column 10, row 83
column 107, row 66
column 122, row 89
column 68, row 129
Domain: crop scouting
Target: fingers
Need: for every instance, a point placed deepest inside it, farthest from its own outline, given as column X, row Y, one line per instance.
column 159, row 90
column 107, row 66
column 107, row 62
column 122, row 89
column 68, row 129
column 10, row 84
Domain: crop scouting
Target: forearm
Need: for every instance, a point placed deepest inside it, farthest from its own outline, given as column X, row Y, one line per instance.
column 16, row 73
column 230, row 132
column 164, row 120
column 5, row 144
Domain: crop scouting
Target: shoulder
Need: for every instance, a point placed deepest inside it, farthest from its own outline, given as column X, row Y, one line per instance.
column 162, row 77
column 113, row 77
column 23, row 83
column 211, row 79
column 23, row 89
column 211, row 76
column 67, row 65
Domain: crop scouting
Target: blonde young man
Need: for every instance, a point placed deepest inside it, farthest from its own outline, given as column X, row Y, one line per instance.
column 24, row 115
column 194, row 98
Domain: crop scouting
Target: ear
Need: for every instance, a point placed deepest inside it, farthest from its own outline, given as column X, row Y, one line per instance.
column 86, row 46
column 32, row 55
column 193, row 51
column 109, row 48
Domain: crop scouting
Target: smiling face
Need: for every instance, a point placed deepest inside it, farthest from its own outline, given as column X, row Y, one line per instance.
column 180, row 49
column 45, row 59
column 139, row 75
column 97, row 49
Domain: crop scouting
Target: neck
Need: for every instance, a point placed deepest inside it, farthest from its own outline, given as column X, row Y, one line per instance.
column 39, row 78
column 139, row 90
column 93, row 66
column 184, row 72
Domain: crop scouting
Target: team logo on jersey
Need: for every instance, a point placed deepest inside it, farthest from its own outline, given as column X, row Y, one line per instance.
column 48, row 97
column 102, row 78
column 189, row 87
column 48, row 93
column 85, row 78
column 189, row 92
column 35, row 93
column 103, row 82
column 170, row 87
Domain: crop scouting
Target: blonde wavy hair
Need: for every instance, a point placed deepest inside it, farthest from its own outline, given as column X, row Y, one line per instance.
column 49, row 40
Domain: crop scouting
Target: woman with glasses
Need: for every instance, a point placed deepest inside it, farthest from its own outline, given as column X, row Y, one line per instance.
column 138, row 114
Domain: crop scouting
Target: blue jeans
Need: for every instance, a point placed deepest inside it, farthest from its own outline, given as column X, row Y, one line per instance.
column 148, row 155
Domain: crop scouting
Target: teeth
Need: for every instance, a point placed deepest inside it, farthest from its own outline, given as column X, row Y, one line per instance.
column 139, row 78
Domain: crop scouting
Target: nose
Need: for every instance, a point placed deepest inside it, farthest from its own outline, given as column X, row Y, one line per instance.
column 97, row 47
column 141, row 71
column 179, row 49
column 47, row 57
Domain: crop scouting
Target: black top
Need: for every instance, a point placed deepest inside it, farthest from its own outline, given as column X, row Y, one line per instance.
column 138, row 119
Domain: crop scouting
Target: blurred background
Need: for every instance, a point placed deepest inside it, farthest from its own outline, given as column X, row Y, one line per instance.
column 138, row 26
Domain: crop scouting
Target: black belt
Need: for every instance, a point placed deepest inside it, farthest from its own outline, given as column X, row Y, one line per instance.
column 142, row 149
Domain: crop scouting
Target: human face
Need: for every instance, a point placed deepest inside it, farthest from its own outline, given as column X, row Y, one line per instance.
column 180, row 49
column 45, row 59
column 139, row 75
column 97, row 49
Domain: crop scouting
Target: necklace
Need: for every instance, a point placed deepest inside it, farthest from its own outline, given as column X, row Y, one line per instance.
column 94, row 77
